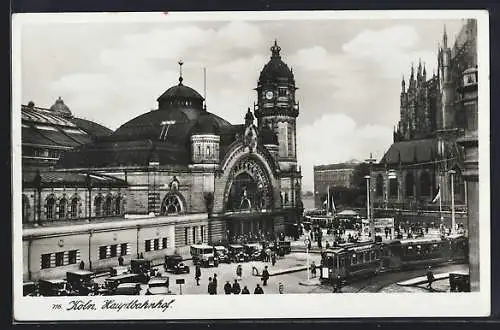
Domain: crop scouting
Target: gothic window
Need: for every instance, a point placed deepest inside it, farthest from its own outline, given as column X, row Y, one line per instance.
column 118, row 206
column 208, row 151
column 74, row 208
column 51, row 208
column 281, row 91
column 108, row 205
column 63, row 203
column 409, row 184
column 380, row 185
column 98, row 206
column 199, row 151
column 171, row 205
column 393, row 188
column 26, row 208
column 425, row 184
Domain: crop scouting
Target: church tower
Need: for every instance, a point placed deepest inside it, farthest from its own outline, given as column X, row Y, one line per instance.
column 277, row 108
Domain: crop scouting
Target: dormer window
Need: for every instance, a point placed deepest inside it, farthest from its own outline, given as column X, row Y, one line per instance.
column 470, row 77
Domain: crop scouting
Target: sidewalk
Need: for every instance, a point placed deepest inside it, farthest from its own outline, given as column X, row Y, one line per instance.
column 423, row 279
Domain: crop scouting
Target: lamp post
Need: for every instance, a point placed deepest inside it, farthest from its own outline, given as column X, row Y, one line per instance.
column 370, row 162
column 452, row 174
column 368, row 216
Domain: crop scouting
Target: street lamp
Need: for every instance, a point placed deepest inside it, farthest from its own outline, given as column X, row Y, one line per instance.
column 452, row 174
column 368, row 217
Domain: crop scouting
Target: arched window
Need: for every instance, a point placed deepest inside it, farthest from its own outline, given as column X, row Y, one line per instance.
column 118, row 206
column 98, row 206
column 425, row 184
column 393, row 188
column 409, row 184
column 26, row 208
column 51, row 208
column 171, row 205
column 74, row 208
column 380, row 185
column 199, row 151
column 208, row 151
column 63, row 206
column 286, row 198
column 108, row 205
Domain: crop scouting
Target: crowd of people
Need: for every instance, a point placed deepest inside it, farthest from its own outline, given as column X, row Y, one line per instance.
column 235, row 287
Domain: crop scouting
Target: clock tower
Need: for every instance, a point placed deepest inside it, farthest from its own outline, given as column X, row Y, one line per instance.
column 277, row 108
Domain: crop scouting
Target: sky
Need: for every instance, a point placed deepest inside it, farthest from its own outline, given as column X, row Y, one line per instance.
column 348, row 72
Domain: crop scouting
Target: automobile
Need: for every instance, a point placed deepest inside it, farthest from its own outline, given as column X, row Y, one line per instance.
column 236, row 253
column 174, row 263
column 30, row 289
column 51, row 288
column 203, row 255
column 158, row 286
column 222, row 254
column 253, row 250
column 141, row 267
column 80, row 281
column 118, row 270
column 114, row 281
column 127, row 289
column 283, row 247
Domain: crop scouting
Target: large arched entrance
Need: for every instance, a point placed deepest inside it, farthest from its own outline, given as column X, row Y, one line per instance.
column 248, row 201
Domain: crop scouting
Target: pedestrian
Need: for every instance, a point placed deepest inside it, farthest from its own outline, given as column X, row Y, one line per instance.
column 82, row 265
column 430, row 277
column 215, row 280
column 236, row 287
column 245, row 290
column 265, row 276
column 141, row 256
column 227, row 288
column 281, row 288
column 239, row 272
column 120, row 261
column 210, row 286
column 313, row 269
column 337, row 284
column 258, row 290
column 197, row 274
column 273, row 259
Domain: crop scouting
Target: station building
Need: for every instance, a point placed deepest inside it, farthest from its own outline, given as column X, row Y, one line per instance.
column 171, row 177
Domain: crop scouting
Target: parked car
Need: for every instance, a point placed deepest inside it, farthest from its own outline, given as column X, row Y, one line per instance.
column 52, row 288
column 114, row 281
column 118, row 270
column 236, row 253
column 158, row 286
column 30, row 289
column 80, row 281
column 253, row 250
column 174, row 263
column 127, row 289
column 222, row 254
column 142, row 267
column 203, row 255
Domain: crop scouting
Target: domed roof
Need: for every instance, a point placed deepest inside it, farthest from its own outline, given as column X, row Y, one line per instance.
column 207, row 123
column 275, row 68
column 181, row 91
column 267, row 136
column 60, row 107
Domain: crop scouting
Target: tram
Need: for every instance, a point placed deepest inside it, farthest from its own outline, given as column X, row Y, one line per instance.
column 350, row 261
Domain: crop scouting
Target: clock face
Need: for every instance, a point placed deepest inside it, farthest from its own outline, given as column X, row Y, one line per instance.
column 269, row 95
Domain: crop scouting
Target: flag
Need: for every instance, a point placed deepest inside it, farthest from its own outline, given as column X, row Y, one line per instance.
column 438, row 196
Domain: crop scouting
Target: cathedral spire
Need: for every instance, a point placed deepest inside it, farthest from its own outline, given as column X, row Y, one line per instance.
column 445, row 38
column 403, row 84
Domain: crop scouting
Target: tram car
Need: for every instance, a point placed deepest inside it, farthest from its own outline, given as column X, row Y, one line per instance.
column 352, row 261
column 407, row 254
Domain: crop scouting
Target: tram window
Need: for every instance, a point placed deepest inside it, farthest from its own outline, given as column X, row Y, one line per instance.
column 374, row 255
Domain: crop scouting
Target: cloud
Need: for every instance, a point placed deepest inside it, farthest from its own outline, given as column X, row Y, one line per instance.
column 336, row 138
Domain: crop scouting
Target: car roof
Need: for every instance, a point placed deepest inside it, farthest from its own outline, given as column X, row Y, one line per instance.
column 201, row 246
column 81, row 272
column 158, row 280
column 235, row 245
column 128, row 285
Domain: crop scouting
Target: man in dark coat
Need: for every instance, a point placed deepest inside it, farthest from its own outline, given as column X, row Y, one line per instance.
column 430, row 277
column 211, row 290
column 245, row 290
column 273, row 259
column 258, row 290
column 227, row 288
column 82, row 265
column 197, row 274
column 265, row 276
column 120, row 261
column 236, row 287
